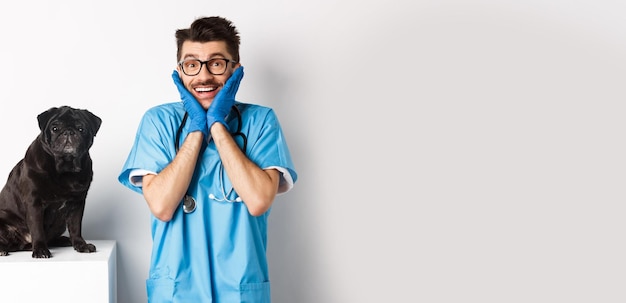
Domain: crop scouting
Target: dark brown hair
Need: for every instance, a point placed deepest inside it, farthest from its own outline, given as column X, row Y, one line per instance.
column 207, row 29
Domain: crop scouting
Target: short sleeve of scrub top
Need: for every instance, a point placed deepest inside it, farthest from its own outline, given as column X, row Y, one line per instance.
column 153, row 148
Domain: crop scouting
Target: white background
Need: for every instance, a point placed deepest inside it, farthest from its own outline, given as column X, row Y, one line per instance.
column 447, row 151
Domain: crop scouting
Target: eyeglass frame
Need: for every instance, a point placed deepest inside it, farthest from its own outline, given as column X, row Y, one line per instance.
column 228, row 61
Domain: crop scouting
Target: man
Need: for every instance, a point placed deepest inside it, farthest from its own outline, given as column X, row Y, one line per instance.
column 209, row 168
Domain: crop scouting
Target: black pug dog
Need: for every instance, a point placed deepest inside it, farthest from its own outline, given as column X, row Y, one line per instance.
column 45, row 192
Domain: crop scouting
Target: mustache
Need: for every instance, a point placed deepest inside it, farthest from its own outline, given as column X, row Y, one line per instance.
column 205, row 83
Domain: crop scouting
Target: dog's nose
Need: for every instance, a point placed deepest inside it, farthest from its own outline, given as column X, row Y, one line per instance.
column 69, row 133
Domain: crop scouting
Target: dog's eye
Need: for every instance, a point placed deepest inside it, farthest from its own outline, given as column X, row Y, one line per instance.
column 80, row 129
column 55, row 129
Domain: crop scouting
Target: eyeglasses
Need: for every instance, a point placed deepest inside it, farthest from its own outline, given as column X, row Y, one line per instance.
column 192, row 67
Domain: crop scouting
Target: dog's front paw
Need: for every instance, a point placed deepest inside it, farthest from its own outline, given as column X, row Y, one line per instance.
column 85, row 247
column 41, row 252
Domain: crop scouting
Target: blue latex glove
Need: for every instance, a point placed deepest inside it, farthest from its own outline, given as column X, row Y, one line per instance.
column 224, row 100
column 197, row 114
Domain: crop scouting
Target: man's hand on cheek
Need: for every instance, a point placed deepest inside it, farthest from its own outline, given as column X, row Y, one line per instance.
column 224, row 100
column 197, row 114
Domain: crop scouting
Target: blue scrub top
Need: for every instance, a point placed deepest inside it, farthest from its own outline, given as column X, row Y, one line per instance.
column 218, row 252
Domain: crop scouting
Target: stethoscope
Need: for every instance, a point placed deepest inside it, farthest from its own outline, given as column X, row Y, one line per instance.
column 189, row 203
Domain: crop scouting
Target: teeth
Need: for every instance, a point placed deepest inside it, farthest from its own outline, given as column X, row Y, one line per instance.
column 205, row 89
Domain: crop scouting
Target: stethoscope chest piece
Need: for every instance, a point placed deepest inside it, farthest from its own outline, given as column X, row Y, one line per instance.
column 189, row 204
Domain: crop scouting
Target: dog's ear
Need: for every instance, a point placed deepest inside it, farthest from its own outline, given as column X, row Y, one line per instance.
column 94, row 121
column 44, row 117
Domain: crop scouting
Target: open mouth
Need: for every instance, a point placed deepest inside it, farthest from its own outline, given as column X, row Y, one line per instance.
column 205, row 89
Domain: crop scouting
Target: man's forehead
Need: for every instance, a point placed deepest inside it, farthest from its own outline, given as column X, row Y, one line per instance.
column 204, row 49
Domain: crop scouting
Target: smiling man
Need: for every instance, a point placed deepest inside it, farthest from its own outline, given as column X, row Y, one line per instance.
column 209, row 168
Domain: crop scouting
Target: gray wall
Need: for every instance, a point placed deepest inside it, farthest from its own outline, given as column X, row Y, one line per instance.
column 448, row 151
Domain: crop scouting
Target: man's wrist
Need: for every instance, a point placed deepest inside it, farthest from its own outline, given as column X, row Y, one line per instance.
column 217, row 126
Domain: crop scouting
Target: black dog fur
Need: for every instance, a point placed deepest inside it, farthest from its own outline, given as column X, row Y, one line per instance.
column 46, row 191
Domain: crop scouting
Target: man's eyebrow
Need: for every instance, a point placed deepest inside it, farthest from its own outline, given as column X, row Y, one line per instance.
column 187, row 56
column 211, row 56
